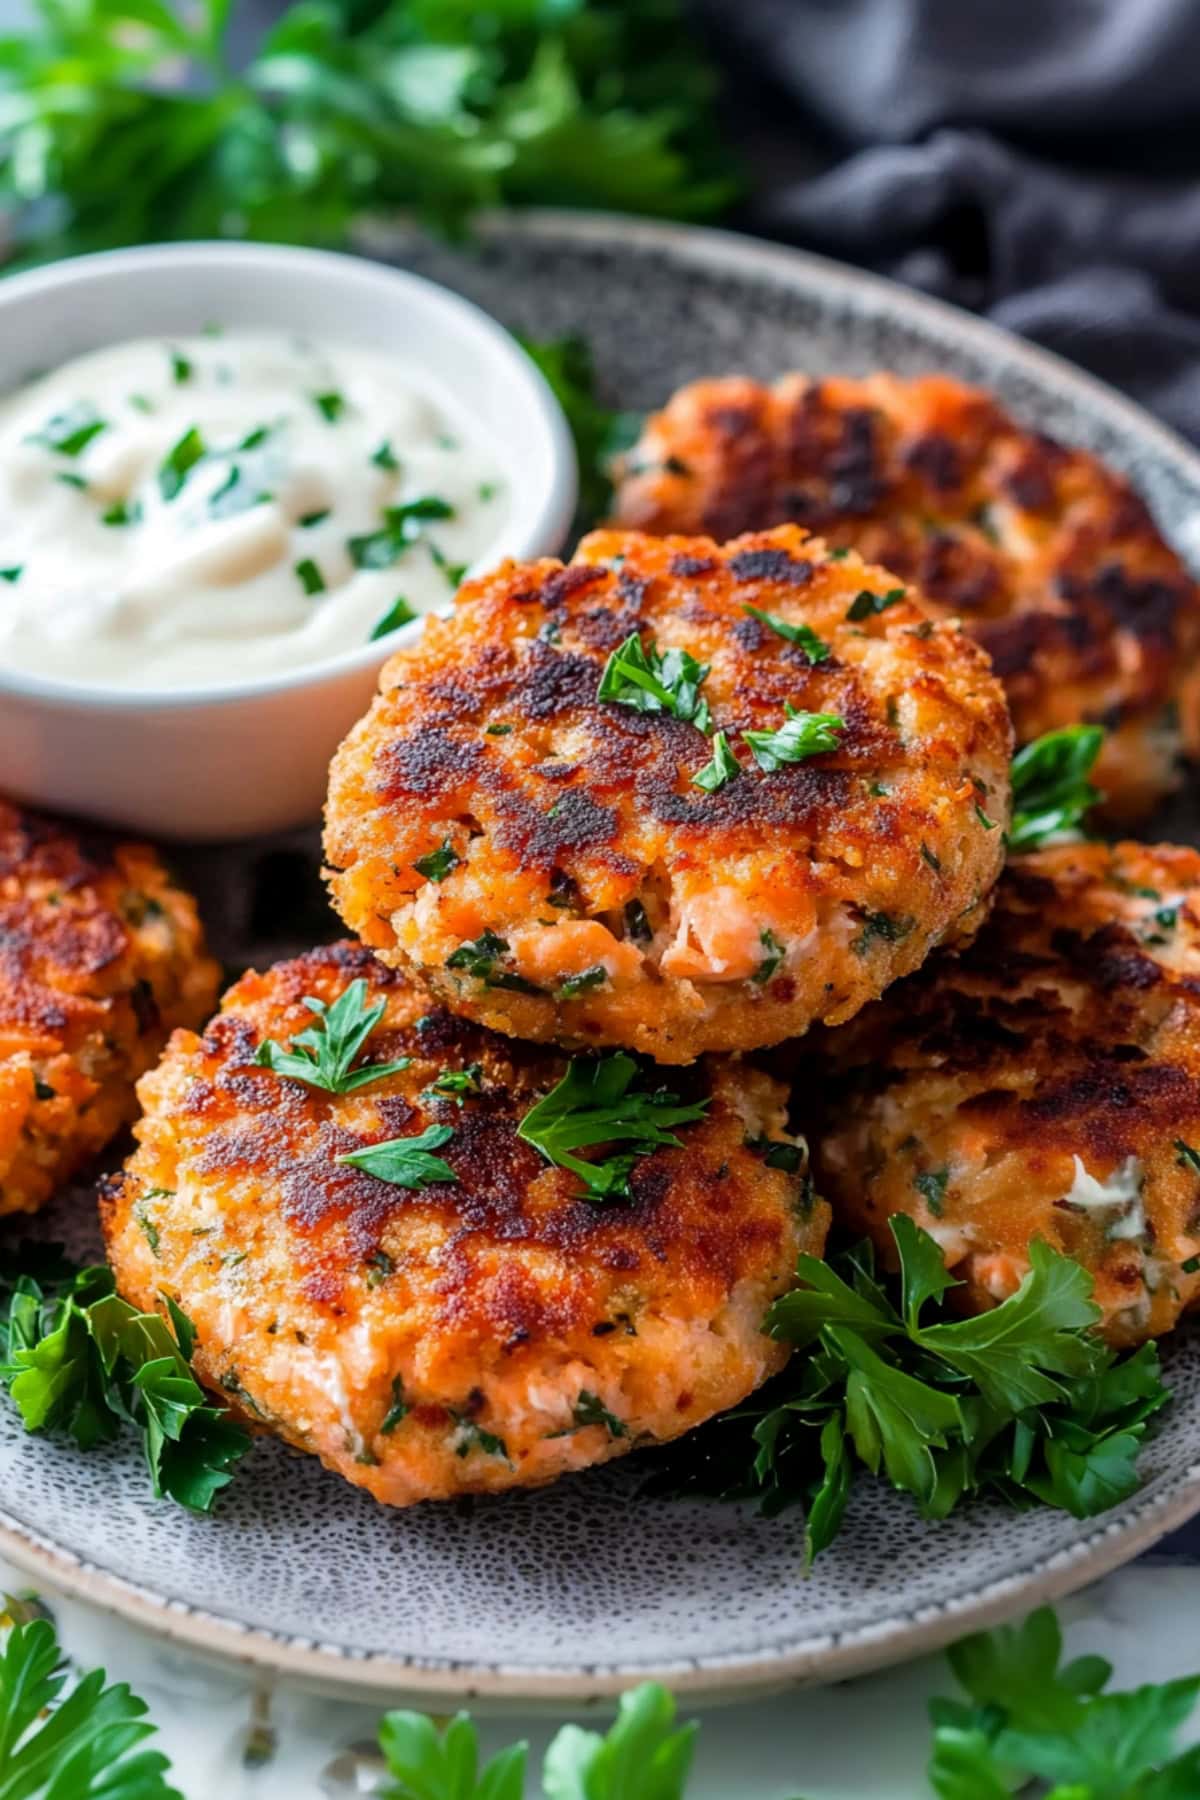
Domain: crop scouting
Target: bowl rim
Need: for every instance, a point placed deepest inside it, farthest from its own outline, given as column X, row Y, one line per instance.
column 548, row 522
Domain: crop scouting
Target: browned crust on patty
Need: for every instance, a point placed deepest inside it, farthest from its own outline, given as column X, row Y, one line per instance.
column 1069, row 1029
column 471, row 1293
column 564, row 813
column 1050, row 557
column 101, row 956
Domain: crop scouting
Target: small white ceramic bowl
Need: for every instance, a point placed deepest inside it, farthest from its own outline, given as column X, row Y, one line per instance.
column 235, row 761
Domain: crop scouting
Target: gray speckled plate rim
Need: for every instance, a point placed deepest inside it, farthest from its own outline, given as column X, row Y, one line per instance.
column 829, row 1657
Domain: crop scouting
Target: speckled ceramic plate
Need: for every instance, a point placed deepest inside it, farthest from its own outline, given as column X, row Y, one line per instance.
column 574, row 1592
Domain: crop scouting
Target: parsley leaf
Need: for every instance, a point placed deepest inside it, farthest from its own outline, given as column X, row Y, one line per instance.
column 479, row 957
column 331, row 406
column 74, row 1746
column 398, row 613
column 428, row 1764
column 815, row 648
column 652, row 681
column 1031, row 1717
column 310, row 577
column 866, row 605
column 76, row 1357
column 406, row 1162
column 322, row 1055
column 1051, row 787
column 1024, row 1401
column 723, row 767
column 178, row 463
column 599, row 1102
column 69, row 433
column 439, row 863
column 402, row 526
column 641, row 1757
column 805, row 734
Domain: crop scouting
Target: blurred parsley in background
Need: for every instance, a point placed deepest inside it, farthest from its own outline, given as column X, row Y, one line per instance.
column 122, row 122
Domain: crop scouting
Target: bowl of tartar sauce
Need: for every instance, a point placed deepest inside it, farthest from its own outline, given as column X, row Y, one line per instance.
column 233, row 479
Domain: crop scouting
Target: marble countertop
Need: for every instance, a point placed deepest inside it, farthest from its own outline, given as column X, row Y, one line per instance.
column 230, row 1734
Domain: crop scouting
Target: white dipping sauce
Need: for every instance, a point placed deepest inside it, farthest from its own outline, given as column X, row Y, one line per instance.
column 200, row 511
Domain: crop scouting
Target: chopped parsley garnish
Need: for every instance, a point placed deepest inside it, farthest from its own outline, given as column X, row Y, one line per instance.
column 815, row 648
column 455, row 573
column 1186, row 1157
column 398, row 613
column 471, row 1436
column 1191, row 1265
column 723, row 767
column 838, row 555
column 498, row 730
column 988, row 824
column 69, row 433
column 12, row 573
column 478, row 956
column 1051, row 787
column 1025, row 1401
column 931, row 1185
column 773, row 955
column 455, row 1083
column 42, row 1089
column 398, row 1411
column 439, row 863
column 181, row 367
column 582, row 983
column 600, row 1101
column 652, row 681
column 928, row 856
column 72, row 480
column 76, row 1357
column 255, row 439
column 402, row 526
column 308, row 520
column 331, row 406
column 310, row 577
column 323, row 1054
column 179, row 462
column 889, row 929
column 866, row 605
column 121, row 512
column 406, row 1162
column 805, row 734
column 385, row 458
column 590, row 1410
column 777, row 1153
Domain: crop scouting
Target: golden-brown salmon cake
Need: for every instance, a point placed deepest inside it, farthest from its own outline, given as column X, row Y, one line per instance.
column 101, row 956
column 1050, row 557
column 494, row 1330
column 562, row 866
column 1043, row 1084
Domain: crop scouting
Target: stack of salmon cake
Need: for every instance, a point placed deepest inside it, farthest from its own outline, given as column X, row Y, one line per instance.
column 495, row 1192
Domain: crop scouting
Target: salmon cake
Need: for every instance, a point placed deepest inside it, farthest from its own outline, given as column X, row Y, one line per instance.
column 1051, row 559
column 398, row 1256
column 1044, row 1083
column 675, row 795
column 101, row 956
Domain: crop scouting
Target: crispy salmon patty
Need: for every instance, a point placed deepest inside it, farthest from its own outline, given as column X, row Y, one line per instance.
column 492, row 1330
column 101, row 956
column 1049, row 556
column 682, row 878
column 1043, row 1084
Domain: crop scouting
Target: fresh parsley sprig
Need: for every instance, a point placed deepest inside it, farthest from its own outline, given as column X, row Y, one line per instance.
column 601, row 1100
column 805, row 734
column 1024, row 1401
column 642, row 1756
column 655, row 681
column 110, row 136
column 406, row 1162
column 1052, row 789
column 323, row 1054
column 76, row 1357
column 814, row 647
column 75, row 1746
column 1028, row 1717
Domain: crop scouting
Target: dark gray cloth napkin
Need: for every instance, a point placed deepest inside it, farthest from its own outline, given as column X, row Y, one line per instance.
column 1038, row 160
